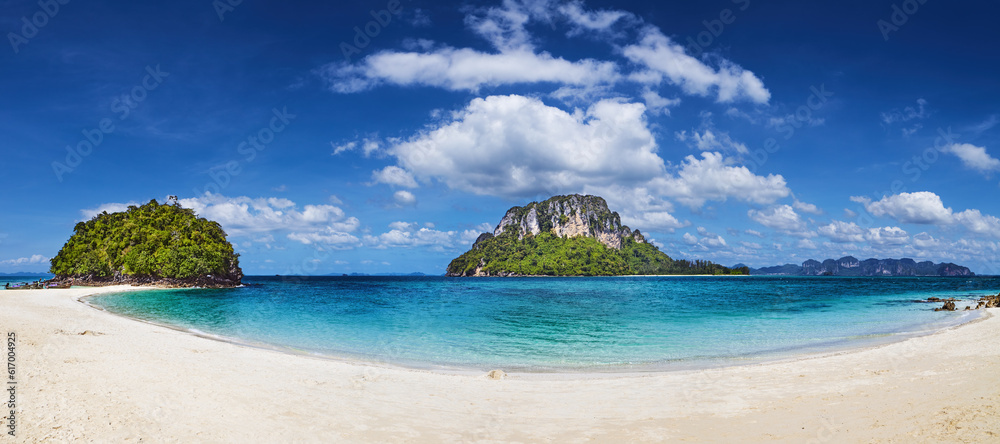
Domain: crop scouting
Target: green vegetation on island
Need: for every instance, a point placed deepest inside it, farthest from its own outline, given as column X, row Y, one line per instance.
column 571, row 236
column 149, row 244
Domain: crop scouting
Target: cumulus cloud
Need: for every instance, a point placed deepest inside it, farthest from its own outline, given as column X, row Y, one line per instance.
column 515, row 59
column 979, row 223
column 666, row 60
column 843, row 232
column 35, row 259
column 705, row 241
column 807, row 207
column 782, row 218
column 515, row 146
column 887, row 236
column 712, row 140
column 243, row 216
column 921, row 207
column 411, row 234
column 710, row 178
column 974, row 157
column 404, row 198
column 583, row 20
column 518, row 147
column 926, row 208
column 465, row 70
column 657, row 104
column 394, row 175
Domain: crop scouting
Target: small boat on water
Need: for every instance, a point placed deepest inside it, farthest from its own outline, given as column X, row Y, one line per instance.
column 37, row 285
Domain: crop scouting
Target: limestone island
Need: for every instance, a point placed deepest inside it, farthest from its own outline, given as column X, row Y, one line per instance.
column 573, row 235
column 153, row 244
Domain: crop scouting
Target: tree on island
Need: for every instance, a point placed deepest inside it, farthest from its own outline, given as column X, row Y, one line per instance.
column 149, row 244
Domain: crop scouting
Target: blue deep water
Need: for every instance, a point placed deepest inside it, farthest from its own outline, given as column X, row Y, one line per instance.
column 559, row 324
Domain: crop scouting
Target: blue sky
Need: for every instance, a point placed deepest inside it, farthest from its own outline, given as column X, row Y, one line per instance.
column 384, row 136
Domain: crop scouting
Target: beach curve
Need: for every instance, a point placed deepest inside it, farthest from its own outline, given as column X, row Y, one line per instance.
column 87, row 374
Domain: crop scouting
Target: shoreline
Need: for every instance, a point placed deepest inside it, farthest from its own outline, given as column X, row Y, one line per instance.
column 88, row 374
column 787, row 355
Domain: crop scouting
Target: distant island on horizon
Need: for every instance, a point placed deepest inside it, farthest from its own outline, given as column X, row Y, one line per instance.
column 851, row 266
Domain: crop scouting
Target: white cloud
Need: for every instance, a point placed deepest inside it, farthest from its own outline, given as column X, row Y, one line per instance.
column 515, row 146
column 242, row 216
column 979, row 223
column 782, row 218
column 807, row 207
column 887, row 236
column 328, row 237
column 369, row 146
column 710, row 140
column 35, row 259
column 338, row 149
column 404, row 198
column 806, row 244
column 592, row 21
column 974, row 157
column 926, row 208
column 925, row 241
column 710, row 178
column 754, row 233
column 465, row 70
column 705, row 241
column 665, row 59
column 843, row 232
column 639, row 207
column 514, row 58
column 921, row 207
column 394, row 175
column 657, row 104
column 408, row 235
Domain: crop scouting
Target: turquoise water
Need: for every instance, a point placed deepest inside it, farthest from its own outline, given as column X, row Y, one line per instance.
column 562, row 324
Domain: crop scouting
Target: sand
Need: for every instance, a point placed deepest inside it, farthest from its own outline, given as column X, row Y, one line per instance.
column 129, row 381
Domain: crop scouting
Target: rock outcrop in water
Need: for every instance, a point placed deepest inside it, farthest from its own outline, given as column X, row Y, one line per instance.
column 571, row 235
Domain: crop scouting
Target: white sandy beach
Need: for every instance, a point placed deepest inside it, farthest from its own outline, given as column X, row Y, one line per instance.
column 128, row 381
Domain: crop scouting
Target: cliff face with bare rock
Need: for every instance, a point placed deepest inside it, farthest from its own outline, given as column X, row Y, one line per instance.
column 570, row 216
column 572, row 235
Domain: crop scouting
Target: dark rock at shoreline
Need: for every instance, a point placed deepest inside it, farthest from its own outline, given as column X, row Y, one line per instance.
column 209, row 281
column 948, row 306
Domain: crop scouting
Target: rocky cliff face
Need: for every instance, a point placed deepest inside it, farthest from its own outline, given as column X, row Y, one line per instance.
column 569, row 216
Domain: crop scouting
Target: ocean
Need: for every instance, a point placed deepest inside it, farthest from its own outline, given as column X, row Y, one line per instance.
column 603, row 324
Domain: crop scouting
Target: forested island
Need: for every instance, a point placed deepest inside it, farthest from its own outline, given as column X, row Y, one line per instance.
column 571, row 235
column 152, row 244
